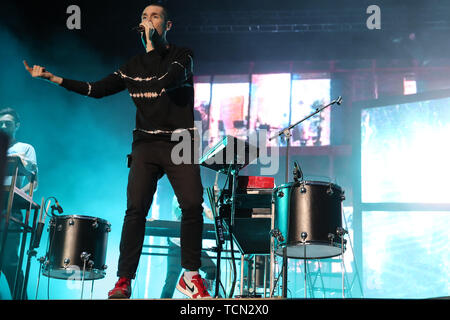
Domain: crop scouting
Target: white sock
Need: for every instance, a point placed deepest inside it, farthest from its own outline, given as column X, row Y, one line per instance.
column 189, row 274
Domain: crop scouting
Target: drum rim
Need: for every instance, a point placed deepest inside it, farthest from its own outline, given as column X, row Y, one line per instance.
column 82, row 217
column 335, row 244
column 307, row 182
column 56, row 273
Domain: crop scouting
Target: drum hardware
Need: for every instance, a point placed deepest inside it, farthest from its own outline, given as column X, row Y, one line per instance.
column 302, row 188
column 303, row 236
column 71, row 222
column 85, row 256
column 66, row 263
column 341, row 232
column 331, row 237
column 277, row 235
column 41, row 261
column 284, row 271
column 330, row 191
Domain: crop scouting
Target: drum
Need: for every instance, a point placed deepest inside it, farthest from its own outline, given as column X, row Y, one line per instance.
column 77, row 247
column 308, row 219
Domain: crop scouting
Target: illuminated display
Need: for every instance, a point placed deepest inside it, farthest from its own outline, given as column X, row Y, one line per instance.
column 270, row 103
column 307, row 96
column 405, row 254
column 239, row 105
column 403, row 158
column 229, row 107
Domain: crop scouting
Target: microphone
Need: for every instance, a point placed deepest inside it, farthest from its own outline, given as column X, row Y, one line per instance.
column 339, row 100
column 57, row 207
column 297, row 172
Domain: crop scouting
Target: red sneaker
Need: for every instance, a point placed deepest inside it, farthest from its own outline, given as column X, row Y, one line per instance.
column 195, row 289
column 122, row 289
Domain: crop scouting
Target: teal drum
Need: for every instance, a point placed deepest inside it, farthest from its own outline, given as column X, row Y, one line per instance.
column 308, row 220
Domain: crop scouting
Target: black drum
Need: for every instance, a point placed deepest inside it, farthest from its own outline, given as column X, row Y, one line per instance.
column 308, row 216
column 77, row 247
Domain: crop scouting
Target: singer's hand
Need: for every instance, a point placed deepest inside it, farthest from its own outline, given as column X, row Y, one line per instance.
column 37, row 71
column 40, row 73
column 149, row 28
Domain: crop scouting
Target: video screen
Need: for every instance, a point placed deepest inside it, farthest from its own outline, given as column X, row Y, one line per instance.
column 403, row 152
column 229, row 107
column 270, row 104
column 239, row 105
column 202, row 102
column 405, row 254
column 309, row 94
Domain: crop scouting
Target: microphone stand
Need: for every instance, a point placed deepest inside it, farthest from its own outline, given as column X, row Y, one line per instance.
column 287, row 133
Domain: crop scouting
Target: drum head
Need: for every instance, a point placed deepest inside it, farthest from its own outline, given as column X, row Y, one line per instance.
column 73, row 273
column 311, row 250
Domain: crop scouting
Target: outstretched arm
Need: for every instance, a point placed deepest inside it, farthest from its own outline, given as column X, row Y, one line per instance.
column 109, row 85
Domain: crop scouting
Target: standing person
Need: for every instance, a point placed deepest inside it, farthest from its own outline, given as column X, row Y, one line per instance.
column 160, row 83
column 9, row 124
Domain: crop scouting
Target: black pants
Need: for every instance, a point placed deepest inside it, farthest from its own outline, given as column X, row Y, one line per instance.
column 174, row 269
column 149, row 162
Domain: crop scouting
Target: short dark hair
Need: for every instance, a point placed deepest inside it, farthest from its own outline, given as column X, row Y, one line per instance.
column 160, row 3
column 11, row 112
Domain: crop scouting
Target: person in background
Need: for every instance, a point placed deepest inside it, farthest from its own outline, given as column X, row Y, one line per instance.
column 10, row 124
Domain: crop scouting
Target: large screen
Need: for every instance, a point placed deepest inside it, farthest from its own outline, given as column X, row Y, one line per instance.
column 229, row 107
column 202, row 102
column 240, row 105
column 270, row 103
column 405, row 254
column 308, row 94
column 404, row 153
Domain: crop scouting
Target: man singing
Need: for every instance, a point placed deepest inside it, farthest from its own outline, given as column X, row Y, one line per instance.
column 160, row 83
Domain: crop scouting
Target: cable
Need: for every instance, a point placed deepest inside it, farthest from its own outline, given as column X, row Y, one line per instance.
column 49, row 248
column 276, row 281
